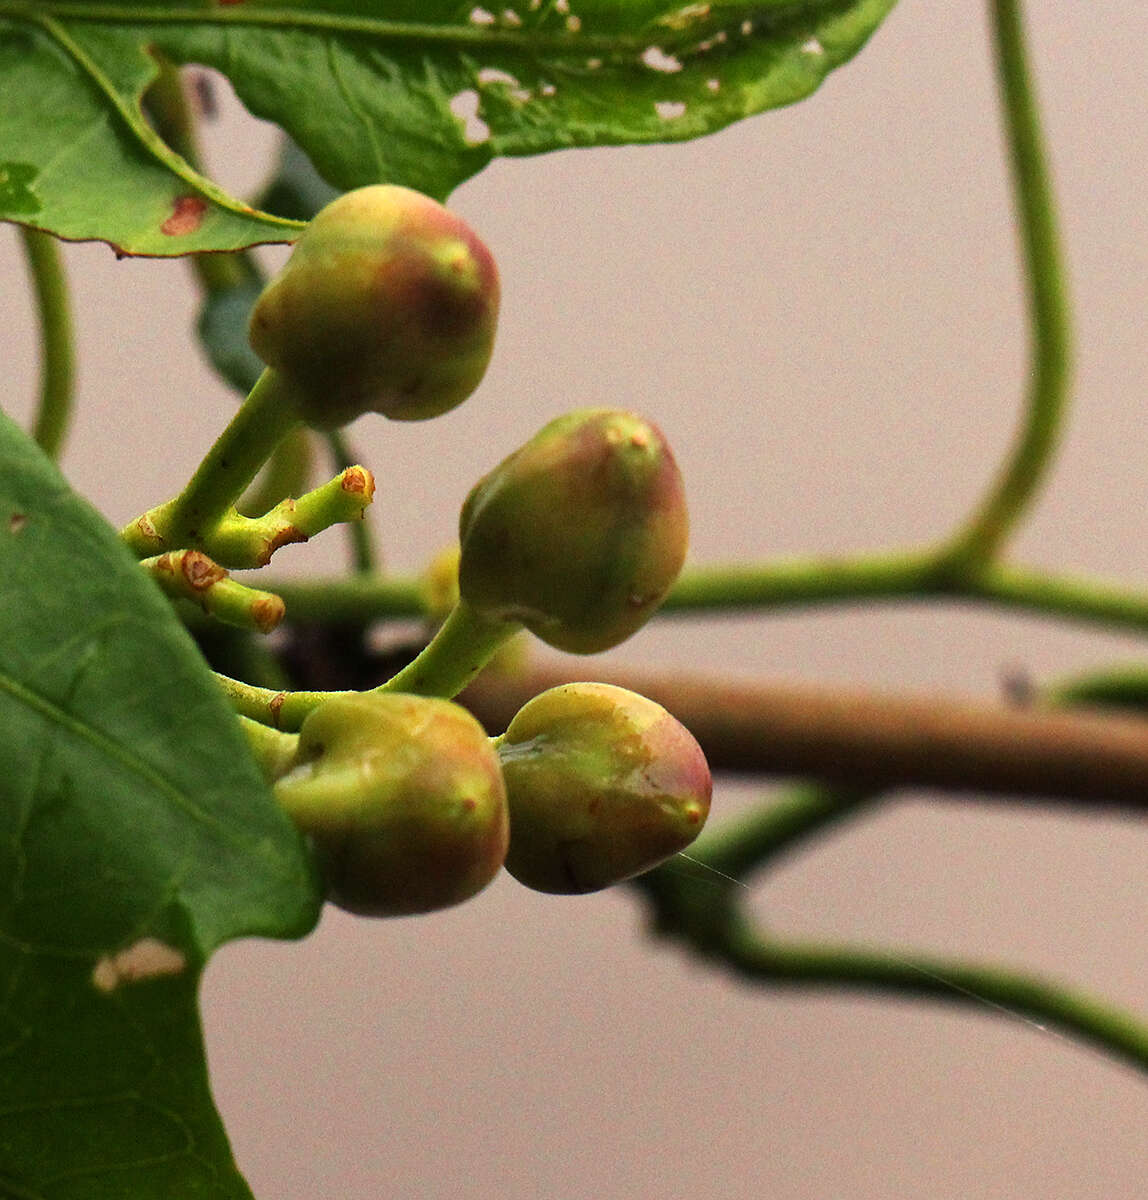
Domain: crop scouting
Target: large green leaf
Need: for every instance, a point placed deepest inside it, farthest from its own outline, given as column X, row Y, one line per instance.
column 136, row 835
column 421, row 92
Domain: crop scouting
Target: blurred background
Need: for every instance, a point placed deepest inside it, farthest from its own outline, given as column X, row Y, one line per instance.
column 822, row 309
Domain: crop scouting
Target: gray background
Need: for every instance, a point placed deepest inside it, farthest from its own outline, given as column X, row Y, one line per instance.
column 821, row 308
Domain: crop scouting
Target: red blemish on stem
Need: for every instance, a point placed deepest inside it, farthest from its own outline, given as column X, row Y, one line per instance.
column 186, row 216
column 275, row 704
column 148, row 530
column 286, row 536
column 359, row 481
column 200, row 572
column 267, row 612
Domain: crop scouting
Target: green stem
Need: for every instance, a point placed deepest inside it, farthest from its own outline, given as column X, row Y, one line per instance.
column 1028, row 463
column 909, row 574
column 264, row 419
column 1076, row 599
column 1006, row 992
column 238, row 541
column 274, row 750
column 463, row 644
column 354, row 599
column 191, row 575
column 913, row 577
column 266, row 706
column 687, row 908
column 363, row 555
column 57, row 354
column 1124, row 687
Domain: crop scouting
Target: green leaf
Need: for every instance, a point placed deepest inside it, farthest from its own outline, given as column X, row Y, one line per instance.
column 419, row 92
column 136, row 835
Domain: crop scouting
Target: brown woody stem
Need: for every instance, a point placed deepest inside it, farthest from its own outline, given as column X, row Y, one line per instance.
column 870, row 740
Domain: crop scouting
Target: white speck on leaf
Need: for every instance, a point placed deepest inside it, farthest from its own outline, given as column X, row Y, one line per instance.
column 145, row 959
column 562, row 6
column 593, row 63
column 746, row 28
column 813, row 46
column 464, row 106
column 480, row 16
column 548, row 89
column 493, row 75
column 510, row 17
column 573, row 24
column 657, row 60
column 668, row 110
column 714, row 85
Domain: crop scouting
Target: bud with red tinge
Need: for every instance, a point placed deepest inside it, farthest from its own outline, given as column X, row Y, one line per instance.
column 387, row 304
column 578, row 534
column 602, row 785
column 403, row 798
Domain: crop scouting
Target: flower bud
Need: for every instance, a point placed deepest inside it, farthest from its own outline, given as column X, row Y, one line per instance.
column 579, row 534
column 602, row 785
column 404, row 799
column 387, row 304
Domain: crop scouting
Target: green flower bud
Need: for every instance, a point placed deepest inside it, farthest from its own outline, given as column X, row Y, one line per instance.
column 579, row 534
column 387, row 304
column 602, row 785
column 403, row 798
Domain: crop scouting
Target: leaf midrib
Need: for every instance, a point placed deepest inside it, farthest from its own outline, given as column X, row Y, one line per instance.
column 147, row 137
column 102, row 743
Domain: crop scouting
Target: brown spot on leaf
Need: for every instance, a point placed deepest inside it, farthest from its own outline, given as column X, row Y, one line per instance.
column 186, row 216
column 17, row 521
column 145, row 959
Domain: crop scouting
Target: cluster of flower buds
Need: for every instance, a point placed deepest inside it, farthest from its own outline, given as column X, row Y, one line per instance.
column 388, row 304
column 412, row 808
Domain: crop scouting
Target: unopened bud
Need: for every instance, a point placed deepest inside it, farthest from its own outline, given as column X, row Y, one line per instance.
column 387, row 304
column 579, row 534
column 404, row 799
column 602, row 785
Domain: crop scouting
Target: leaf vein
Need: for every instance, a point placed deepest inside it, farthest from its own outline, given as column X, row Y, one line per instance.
column 115, row 750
